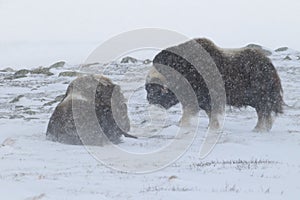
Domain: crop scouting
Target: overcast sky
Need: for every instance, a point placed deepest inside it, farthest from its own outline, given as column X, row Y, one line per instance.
column 38, row 32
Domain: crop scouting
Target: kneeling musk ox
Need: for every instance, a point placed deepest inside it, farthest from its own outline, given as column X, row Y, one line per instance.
column 249, row 79
column 92, row 112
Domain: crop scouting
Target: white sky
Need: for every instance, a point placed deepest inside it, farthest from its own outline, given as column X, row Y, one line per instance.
column 38, row 32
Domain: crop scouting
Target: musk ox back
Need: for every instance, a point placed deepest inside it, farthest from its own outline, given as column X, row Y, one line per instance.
column 249, row 77
column 73, row 120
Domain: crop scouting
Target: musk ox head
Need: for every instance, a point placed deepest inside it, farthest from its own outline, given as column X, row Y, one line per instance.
column 74, row 121
column 157, row 91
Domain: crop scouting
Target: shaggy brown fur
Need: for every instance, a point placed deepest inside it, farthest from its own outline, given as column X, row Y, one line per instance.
column 249, row 76
column 62, row 126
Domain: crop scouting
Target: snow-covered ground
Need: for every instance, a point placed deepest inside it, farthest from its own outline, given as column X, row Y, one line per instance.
column 243, row 165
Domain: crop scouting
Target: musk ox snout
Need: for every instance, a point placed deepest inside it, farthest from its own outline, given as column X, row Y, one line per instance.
column 160, row 95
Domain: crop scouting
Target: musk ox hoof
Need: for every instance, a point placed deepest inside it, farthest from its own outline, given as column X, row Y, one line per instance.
column 93, row 112
column 261, row 129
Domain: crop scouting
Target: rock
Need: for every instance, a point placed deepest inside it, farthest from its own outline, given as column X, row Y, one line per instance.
column 16, row 117
column 16, row 99
column 50, row 103
column 30, row 112
column 8, row 69
column 88, row 65
column 22, row 72
column 287, row 58
column 256, row 46
column 129, row 59
column 41, row 70
column 147, row 61
column 172, row 177
column 85, row 115
column 57, row 65
column 15, row 77
column 69, row 73
column 30, row 118
column 281, row 49
column 39, row 197
column 57, row 99
column 8, row 142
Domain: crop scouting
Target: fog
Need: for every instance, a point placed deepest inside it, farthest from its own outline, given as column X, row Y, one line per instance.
column 40, row 32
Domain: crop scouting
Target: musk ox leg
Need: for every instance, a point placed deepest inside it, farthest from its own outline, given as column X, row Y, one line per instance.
column 264, row 121
column 188, row 116
column 214, row 120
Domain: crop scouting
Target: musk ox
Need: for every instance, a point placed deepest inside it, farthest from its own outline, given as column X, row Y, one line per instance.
column 87, row 108
column 249, row 79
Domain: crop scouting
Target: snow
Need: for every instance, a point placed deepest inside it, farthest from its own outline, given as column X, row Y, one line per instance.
column 243, row 164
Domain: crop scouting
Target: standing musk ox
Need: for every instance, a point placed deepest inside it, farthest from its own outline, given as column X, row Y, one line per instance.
column 249, row 79
column 90, row 99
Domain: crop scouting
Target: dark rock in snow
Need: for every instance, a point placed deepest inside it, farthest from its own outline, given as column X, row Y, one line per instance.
column 281, row 49
column 18, row 74
column 86, row 65
column 42, row 70
column 86, row 115
column 69, row 74
column 8, row 69
column 256, row 46
column 129, row 59
column 57, row 99
column 57, row 65
column 16, row 117
column 147, row 61
column 22, row 72
column 30, row 112
column 16, row 99
column 287, row 58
